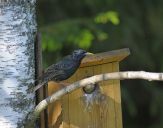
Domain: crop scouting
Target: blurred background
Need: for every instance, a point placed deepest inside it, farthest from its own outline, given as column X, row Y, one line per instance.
column 104, row 25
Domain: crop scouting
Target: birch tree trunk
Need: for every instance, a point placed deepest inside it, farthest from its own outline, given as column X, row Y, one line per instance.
column 17, row 65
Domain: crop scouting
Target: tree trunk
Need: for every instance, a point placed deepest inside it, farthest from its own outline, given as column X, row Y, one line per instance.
column 17, row 65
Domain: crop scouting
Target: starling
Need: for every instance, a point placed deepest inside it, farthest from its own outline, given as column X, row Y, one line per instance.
column 63, row 69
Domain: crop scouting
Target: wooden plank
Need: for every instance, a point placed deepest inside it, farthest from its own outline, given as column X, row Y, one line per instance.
column 65, row 105
column 65, row 111
column 117, row 92
column 100, row 113
column 105, row 57
column 78, row 117
column 54, row 110
column 59, row 109
column 108, row 91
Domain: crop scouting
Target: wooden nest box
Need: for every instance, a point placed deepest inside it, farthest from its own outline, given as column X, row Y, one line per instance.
column 72, row 111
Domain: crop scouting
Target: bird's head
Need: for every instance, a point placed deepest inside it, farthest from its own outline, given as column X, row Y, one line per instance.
column 79, row 54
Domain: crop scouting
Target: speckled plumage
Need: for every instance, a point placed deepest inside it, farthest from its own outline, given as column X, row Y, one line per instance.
column 63, row 69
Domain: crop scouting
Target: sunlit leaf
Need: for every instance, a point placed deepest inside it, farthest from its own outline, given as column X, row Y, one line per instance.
column 105, row 17
column 85, row 39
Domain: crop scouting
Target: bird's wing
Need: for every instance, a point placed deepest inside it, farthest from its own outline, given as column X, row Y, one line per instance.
column 56, row 71
column 64, row 66
column 50, row 77
column 56, row 76
column 65, row 63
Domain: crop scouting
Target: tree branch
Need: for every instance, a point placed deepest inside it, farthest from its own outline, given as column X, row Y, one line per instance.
column 95, row 79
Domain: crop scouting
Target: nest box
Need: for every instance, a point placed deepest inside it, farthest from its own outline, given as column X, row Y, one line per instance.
column 71, row 111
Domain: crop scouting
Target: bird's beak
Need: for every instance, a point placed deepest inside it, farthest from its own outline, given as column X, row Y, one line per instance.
column 88, row 53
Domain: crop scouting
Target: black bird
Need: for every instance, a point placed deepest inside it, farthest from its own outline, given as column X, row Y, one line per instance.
column 64, row 68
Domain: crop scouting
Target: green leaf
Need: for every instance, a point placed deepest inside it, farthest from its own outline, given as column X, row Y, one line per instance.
column 105, row 17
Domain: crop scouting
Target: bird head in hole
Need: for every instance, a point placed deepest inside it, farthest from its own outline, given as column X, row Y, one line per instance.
column 80, row 54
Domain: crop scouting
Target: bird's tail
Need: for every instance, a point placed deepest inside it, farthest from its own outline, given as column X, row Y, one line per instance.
column 39, row 86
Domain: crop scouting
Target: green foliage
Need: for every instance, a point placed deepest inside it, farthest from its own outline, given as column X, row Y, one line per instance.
column 82, row 39
column 78, row 32
column 105, row 17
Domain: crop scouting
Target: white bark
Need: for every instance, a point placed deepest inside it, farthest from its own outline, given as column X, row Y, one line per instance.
column 17, row 32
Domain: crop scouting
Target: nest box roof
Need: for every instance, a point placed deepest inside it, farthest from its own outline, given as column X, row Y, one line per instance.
column 105, row 57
